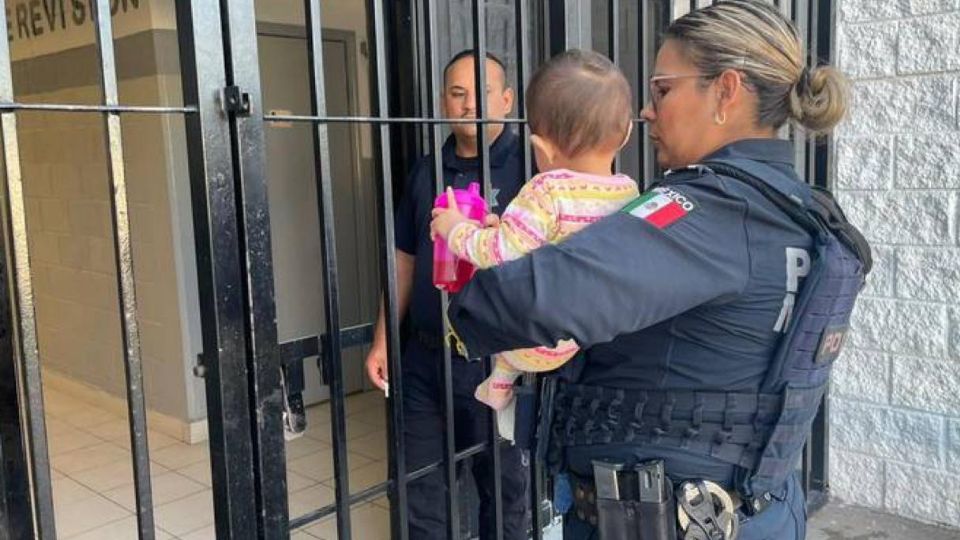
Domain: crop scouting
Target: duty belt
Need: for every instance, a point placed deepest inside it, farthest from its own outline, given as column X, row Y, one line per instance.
column 731, row 427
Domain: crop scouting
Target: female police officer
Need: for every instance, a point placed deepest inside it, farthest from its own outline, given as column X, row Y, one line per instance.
column 703, row 347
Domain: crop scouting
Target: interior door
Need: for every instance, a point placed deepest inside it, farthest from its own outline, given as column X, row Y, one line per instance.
column 295, row 225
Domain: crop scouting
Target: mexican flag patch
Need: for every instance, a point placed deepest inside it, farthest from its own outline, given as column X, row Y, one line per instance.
column 661, row 207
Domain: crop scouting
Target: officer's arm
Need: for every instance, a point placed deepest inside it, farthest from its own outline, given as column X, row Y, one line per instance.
column 623, row 274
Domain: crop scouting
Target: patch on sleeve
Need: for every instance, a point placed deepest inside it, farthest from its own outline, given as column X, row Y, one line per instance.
column 661, row 207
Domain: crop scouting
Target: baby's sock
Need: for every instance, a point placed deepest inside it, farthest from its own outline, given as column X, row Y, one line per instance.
column 497, row 390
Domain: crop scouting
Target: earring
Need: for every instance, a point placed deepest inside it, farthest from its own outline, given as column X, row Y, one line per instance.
column 719, row 118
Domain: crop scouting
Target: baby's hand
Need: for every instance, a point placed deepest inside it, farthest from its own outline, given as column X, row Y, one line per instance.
column 445, row 219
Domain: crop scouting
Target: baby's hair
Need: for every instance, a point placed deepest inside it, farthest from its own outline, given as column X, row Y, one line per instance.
column 579, row 100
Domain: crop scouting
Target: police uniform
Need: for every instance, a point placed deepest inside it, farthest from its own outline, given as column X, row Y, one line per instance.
column 423, row 355
column 680, row 301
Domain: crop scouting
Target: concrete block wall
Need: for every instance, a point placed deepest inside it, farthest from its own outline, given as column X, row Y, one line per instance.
column 895, row 418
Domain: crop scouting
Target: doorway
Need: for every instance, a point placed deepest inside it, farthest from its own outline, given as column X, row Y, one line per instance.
column 295, row 223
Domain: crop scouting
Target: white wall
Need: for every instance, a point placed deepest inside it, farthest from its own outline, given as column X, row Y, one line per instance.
column 895, row 421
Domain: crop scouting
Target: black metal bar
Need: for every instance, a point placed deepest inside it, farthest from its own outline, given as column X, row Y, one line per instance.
column 332, row 352
column 523, row 43
column 116, row 109
column 219, row 270
column 243, row 72
column 396, row 120
column 613, row 44
column 26, row 357
column 388, row 271
column 300, row 348
column 483, row 153
column 359, row 497
column 126, row 288
column 435, row 88
column 387, row 120
column 16, row 512
column 373, row 492
column 647, row 44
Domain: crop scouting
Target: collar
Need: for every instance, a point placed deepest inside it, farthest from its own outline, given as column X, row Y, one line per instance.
column 500, row 150
column 766, row 150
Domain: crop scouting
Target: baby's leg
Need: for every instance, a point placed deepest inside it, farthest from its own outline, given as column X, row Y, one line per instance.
column 497, row 390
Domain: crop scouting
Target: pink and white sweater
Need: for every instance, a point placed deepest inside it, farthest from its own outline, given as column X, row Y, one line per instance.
column 550, row 207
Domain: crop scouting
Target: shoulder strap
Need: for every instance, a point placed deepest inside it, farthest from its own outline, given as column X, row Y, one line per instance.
column 792, row 207
column 821, row 213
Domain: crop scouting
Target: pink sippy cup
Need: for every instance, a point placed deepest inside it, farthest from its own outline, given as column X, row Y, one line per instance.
column 450, row 273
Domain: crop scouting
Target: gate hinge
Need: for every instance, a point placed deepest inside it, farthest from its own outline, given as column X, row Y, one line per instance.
column 233, row 100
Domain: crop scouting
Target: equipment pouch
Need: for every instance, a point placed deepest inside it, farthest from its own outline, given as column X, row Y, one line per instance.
column 618, row 520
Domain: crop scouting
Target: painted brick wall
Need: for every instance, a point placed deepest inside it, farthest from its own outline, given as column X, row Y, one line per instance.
column 896, row 395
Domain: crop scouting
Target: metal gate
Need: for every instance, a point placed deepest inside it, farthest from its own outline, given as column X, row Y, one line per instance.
column 225, row 134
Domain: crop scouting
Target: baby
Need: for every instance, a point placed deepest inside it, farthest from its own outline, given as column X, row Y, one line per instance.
column 580, row 115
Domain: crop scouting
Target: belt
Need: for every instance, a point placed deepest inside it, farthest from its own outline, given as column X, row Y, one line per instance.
column 585, row 497
column 728, row 426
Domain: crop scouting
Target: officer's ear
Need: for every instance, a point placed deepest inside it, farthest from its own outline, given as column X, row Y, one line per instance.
column 728, row 84
column 508, row 97
column 544, row 147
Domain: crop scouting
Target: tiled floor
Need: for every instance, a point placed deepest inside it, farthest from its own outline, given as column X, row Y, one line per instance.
column 93, row 480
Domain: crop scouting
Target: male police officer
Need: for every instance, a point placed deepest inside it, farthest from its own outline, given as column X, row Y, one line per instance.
column 422, row 358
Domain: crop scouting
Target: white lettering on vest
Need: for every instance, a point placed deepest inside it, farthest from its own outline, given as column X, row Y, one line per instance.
column 798, row 266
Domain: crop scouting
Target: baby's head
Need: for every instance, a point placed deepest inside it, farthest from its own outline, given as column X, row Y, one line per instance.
column 579, row 106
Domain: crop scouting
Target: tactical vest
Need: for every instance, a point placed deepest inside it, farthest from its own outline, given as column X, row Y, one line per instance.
column 762, row 433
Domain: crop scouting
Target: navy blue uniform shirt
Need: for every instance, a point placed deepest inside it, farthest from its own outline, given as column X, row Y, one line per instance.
column 412, row 218
column 685, row 290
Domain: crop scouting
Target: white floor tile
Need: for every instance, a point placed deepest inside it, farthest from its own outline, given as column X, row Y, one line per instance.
column 124, row 529
column 368, row 521
column 373, row 416
column 198, row 472
column 318, row 415
column 86, row 514
column 302, row 535
column 88, row 415
column 206, row 533
column 310, row 499
column 187, row 514
column 68, row 440
column 364, row 476
column 67, row 491
column 166, row 487
column 297, row 482
column 180, row 455
column 107, row 477
column 90, row 457
column 355, row 429
column 319, row 465
column 304, row 446
column 373, row 445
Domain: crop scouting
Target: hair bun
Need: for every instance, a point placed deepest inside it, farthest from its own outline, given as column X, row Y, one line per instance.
column 819, row 99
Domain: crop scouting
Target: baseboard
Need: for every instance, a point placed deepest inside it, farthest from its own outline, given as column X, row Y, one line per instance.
column 188, row 432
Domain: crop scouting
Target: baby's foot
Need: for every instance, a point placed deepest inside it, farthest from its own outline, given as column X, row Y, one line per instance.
column 495, row 393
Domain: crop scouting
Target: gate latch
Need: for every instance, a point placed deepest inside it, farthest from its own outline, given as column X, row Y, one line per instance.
column 232, row 100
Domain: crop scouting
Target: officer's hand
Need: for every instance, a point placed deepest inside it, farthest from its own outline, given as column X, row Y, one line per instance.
column 491, row 220
column 377, row 366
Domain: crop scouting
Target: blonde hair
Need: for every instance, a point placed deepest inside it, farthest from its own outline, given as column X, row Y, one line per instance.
column 755, row 39
column 579, row 100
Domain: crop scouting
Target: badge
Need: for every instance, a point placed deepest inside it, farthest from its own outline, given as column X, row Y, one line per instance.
column 661, row 207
